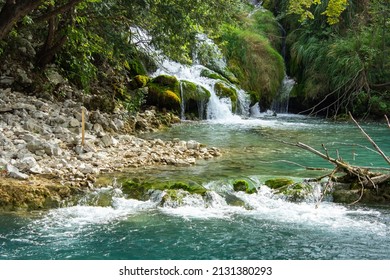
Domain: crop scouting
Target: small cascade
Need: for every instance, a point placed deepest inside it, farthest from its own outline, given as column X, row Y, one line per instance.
column 217, row 108
column 209, row 58
column 281, row 101
column 182, row 104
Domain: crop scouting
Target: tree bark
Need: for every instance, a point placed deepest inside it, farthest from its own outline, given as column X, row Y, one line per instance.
column 12, row 11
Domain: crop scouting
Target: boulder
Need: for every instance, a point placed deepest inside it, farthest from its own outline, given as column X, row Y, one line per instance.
column 14, row 172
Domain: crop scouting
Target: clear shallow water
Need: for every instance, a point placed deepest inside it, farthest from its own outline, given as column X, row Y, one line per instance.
column 267, row 227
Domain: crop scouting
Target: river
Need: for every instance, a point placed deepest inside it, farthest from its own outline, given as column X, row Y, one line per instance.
column 268, row 227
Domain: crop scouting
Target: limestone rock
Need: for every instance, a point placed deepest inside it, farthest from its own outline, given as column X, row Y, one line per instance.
column 13, row 172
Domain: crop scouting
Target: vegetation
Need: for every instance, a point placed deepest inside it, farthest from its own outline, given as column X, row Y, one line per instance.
column 140, row 190
column 96, row 43
column 338, row 50
column 252, row 57
column 339, row 55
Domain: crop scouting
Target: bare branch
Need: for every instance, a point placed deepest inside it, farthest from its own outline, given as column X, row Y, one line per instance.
column 388, row 122
column 370, row 139
column 294, row 163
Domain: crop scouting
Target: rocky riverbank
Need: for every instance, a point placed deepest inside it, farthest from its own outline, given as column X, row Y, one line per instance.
column 41, row 146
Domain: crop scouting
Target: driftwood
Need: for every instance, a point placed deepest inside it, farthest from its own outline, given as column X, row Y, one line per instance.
column 365, row 176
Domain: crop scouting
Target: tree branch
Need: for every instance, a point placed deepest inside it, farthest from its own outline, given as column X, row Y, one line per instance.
column 387, row 159
column 60, row 10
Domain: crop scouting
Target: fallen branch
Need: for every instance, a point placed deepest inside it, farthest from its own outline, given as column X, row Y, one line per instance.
column 387, row 159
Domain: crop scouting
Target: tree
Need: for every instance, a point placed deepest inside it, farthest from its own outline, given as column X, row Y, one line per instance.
column 12, row 11
column 333, row 10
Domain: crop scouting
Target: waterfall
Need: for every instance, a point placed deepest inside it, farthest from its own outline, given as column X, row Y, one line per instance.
column 217, row 108
column 182, row 104
column 281, row 101
column 209, row 57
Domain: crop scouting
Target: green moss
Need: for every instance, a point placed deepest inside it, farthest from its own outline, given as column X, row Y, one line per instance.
column 242, row 185
column 297, row 191
column 135, row 67
column 168, row 81
column 191, row 188
column 212, row 75
column 137, row 189
column 265, row 23
column 139, row 81
column 192, row 91
column 255, row 62
column 224, row 90
column 278, row 183
column 164, row 92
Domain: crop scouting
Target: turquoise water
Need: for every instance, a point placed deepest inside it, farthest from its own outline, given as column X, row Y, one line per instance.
column 267, row 227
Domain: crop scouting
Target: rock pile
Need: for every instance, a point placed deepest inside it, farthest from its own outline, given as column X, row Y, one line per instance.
column 43, row 137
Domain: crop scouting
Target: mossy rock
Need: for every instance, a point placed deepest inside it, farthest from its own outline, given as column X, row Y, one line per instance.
column 135, row 67
column 164, row 92
column 278, row 183
column 223, row 90
column 163, row 98
column 173, row 198
column 345, row 196
column 140, row 190
column 212, row 75
column 139, row 81
column 136, row 189
column 100, row 102
column 233, row 200
column 167, row 81
column 192, row 91
column 192, row 188
column 40, row 193
column 297, row 191
column 195, row 98
column 242, row 185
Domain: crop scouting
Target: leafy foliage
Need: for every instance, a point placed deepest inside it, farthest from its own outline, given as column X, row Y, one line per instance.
column 333, row 10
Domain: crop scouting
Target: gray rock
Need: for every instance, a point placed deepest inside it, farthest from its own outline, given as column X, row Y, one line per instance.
column 29, row 164
column 52, row 149
column 7, row 81
column 107, row 141
column 54, row 77
column 119, row 124
column 3, row 162
column 193, row 145
column 74, row 123
column 32, row 126
column 34, row 145
column 23, row 77
column 97, row 127
column 86, row 156
column 13, row 172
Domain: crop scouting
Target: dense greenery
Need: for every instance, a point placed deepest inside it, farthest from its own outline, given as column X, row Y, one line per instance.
column 96, row 43
column 252, row 52
column 338, row 50
column 339, row 55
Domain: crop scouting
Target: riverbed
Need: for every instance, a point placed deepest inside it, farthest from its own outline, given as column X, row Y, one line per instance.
column 266, row 227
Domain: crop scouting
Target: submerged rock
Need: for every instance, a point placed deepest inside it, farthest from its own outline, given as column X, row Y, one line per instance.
column 242, row 185
column 278, row 183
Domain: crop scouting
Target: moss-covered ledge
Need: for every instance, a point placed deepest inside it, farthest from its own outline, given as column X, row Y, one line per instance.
column 37, row 193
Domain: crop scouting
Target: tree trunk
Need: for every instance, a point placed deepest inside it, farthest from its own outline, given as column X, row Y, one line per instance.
column 12, row 11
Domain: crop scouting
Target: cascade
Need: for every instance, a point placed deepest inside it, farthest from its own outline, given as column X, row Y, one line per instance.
column 206, row 57
column 281, row 101
column 217, row 108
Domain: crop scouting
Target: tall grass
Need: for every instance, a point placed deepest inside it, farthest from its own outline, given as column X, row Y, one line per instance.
column 253, row 58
